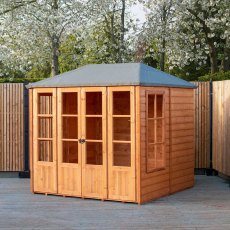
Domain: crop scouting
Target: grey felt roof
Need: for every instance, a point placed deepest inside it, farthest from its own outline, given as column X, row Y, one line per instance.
column 113, row 75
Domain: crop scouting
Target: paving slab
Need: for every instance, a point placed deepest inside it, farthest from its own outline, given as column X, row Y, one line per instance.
column 204, row 207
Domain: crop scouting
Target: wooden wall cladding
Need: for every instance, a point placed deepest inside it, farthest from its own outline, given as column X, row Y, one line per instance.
column 11, row 127
column 182, row 140
column 154, row 184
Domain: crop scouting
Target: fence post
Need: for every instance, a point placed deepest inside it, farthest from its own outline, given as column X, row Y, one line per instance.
column 210, row 171
column 25, row 173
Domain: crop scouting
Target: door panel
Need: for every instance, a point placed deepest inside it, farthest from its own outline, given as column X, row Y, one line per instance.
column 69, row 149
column 94, row 159
column 44, row 140
column 82, row 164
column 121, row 144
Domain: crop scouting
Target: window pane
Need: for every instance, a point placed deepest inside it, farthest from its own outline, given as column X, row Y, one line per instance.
column 45, row 151
column 69, row 103
column 151, row 105
column 70, row 151
column 94, row 103
column 121, row 103
column 121, row 154
column 94, row 128
column 121, row 128
column 159, row 130
column 151, row 131
column 45, row 127
column 151, row 161
column 159, row 105
column 93, row 153
column 155, row 135
column 70, row 128
column 45, row 103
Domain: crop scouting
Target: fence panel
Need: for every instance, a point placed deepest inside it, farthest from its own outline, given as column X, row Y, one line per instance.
column 11, row 127
column 12, row 135
column 202, row 124
column 221, row 126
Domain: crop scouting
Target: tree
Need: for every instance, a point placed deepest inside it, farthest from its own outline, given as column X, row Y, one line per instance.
column 7, row 6
column 101, row 47
column 190, row 33
column 37, row 29
column 72, row 51
column 158, row 28
column 114, row 20
column 202, row 32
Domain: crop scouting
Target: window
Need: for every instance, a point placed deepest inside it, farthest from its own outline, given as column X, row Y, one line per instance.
column 121, row 129
column 45, row 127
column 94, row 124
column 155, row 139
column 69, row 118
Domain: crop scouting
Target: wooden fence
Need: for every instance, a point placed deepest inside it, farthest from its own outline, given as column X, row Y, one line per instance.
column 221, row 126
column 13, row 135
column 202, row 124
column 11, row 127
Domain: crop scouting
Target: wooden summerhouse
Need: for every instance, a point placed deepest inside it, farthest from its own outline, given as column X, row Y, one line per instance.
column 120, row 132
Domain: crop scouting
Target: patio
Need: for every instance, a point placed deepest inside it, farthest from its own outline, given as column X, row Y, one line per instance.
column 206, row 206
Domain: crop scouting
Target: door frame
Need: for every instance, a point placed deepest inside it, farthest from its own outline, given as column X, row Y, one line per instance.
column 131, row 171
column 74, row 182
column 43, row 166
column 107, row 168
column 86, row 167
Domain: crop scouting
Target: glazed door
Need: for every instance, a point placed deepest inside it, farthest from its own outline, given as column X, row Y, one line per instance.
column 93, row 142
column 44, row 140
column 121, row 144
column 69, row 149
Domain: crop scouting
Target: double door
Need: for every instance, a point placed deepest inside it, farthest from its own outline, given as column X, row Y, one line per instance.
column 84, row 142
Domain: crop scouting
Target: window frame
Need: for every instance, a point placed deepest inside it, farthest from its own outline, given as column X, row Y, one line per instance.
column 64, row 116
column 155, row 118
column 45, row 115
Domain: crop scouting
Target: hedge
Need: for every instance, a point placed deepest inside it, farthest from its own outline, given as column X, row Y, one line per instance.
column 215, row 76
column 19, row 80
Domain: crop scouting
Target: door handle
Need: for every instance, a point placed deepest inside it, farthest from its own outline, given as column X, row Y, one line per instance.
column 81, row 141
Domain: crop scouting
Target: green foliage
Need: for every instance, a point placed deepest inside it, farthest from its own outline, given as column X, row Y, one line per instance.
column 7, row 72
column 39, row 71
column 104, row 45
column 215, row 76
column 190, row 72
column 36, row 73
column 19, row 80
column 71, row 52
column 150, row 57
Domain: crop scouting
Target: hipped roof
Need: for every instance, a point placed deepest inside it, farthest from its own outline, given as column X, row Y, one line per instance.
column 127, row 74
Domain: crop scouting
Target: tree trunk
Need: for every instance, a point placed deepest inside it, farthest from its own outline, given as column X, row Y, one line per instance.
column 213, row 57
column 55, row 56
column 112, row 25
column 113, row 38
column 162, row 56
column 55, row 46
column 122, row 46
column 163, row 42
